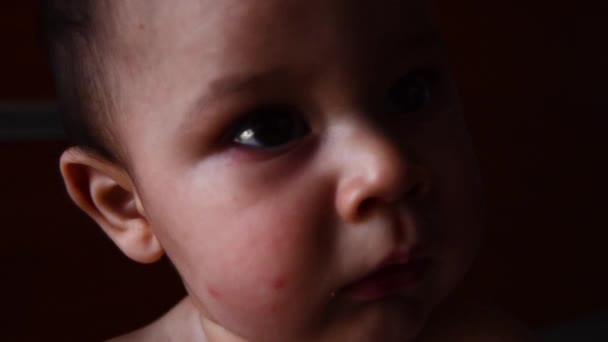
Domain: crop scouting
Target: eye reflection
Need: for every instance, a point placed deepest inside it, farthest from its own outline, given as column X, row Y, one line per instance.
column 270, row 127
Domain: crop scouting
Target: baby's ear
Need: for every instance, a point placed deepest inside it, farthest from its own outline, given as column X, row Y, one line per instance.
column 106, row 193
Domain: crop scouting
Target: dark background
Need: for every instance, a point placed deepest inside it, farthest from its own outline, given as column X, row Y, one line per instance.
column 533, row 77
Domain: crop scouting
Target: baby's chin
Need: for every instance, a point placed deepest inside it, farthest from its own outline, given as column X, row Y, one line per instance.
column 393, row 318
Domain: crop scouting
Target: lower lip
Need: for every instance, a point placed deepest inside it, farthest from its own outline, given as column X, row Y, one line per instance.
column 390, row 280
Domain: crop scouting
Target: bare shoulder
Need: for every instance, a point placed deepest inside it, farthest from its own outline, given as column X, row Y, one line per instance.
column 474, row 322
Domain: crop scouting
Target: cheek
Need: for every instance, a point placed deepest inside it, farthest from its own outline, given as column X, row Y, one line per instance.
column 262, row 274
column 247, row 263
column 458, row 196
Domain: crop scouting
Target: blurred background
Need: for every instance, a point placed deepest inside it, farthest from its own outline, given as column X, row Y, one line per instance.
column 534, row 81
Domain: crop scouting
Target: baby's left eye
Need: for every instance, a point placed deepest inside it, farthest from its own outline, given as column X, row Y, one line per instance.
column 270, row 127
column 412, row 93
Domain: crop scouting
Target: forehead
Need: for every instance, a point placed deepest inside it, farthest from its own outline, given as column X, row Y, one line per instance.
column 180, row 12
column 142, row 26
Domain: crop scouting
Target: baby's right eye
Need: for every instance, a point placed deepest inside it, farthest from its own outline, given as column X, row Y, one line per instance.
column 270, row 127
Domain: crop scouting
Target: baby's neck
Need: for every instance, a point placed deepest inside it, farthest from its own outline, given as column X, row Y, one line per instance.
column 452, row 321
column 182, row 323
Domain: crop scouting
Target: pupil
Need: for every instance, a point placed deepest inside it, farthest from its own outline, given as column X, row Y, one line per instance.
column 273, row 130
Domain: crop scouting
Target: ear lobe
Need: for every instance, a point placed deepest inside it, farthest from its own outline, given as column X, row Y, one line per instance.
column 106, row 193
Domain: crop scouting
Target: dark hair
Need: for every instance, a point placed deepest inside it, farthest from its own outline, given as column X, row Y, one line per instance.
column 73, row 43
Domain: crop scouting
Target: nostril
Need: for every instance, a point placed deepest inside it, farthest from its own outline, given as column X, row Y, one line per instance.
column 370, row 207
column 365, row 208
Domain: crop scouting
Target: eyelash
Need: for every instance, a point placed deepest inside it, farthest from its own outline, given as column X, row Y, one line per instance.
column 291, row 125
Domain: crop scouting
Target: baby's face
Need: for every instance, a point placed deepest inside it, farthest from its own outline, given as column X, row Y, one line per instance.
column 284, row 149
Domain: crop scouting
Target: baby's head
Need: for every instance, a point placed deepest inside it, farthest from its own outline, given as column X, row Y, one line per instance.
column 280, row 152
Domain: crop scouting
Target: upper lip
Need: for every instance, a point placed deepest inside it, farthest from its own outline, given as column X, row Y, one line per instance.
column 405, row 257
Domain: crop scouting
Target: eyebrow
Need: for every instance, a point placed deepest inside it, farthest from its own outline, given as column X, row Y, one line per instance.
column 239, row 82
column 232, row 84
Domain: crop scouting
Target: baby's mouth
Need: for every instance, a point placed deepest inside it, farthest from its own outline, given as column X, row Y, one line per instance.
column 387, row 280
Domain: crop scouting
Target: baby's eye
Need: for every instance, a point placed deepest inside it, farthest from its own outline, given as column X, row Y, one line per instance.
column 412, row 93
column 270, row 127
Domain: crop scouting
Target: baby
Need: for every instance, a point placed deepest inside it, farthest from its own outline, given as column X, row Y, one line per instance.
column 304, row 164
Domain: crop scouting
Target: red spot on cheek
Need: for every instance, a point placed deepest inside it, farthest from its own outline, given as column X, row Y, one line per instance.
column 141, row 26
column 274, row 308
column 214, row 293
column 278, row 283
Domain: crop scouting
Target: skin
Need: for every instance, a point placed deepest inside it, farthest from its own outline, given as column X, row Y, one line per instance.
column 265, row 239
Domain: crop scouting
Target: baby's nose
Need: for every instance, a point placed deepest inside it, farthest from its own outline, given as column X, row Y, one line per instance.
column 376, row 171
